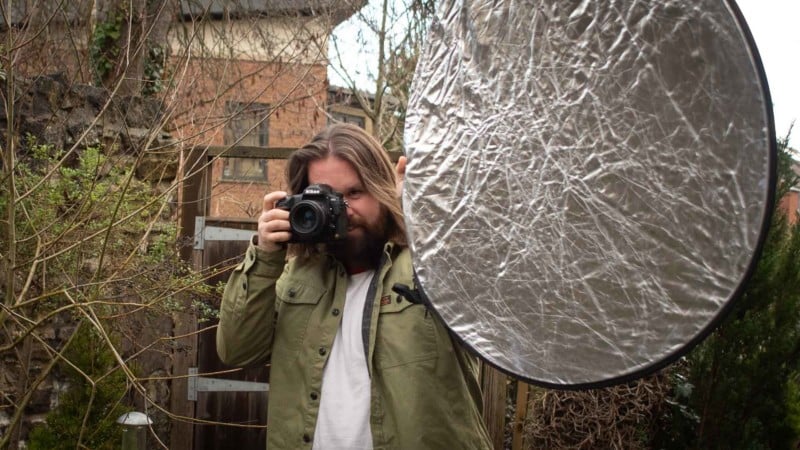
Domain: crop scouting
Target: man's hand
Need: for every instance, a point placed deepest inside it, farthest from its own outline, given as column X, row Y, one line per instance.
column 400, row 169
column 273, row 224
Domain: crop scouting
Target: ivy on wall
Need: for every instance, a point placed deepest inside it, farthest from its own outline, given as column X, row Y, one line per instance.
column 104, row 50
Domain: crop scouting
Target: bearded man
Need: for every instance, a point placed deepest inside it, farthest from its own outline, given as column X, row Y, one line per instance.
column 357, row 360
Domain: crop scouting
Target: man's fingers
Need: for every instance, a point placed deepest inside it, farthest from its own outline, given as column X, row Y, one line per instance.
column 272, row 198
column 273, row 224
column 400, row 168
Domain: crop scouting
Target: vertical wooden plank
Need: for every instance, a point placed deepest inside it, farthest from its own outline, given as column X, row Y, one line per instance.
column 185, row 323
column 520, row 413
column 494, row 404
column 183, row 357
column 192, row 197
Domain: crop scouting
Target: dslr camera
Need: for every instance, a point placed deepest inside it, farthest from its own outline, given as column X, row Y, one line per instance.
column 319, row 214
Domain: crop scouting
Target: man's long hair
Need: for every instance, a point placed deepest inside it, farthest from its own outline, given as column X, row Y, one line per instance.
column 370, row 161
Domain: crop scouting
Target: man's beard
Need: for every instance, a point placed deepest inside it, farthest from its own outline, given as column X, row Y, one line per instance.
column 362, row 251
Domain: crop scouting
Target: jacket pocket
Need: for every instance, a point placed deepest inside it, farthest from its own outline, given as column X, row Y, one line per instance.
column 405, row 334
column 296, row 302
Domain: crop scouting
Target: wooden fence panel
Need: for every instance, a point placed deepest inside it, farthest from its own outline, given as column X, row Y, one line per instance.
column 494, row 403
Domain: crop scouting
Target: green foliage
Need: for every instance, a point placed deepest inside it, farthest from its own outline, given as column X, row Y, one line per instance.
column 104, row 54
column 92, row 241
column 94, row 396
column 154, row 70
column 70, row 206
column 739, row 388
column 104, row 50
column 793, row 402
column 205, row 311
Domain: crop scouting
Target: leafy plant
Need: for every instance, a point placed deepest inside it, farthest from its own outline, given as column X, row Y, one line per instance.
column 93, row 254
column 154, row 70
column 104, row 49
column 86, row 413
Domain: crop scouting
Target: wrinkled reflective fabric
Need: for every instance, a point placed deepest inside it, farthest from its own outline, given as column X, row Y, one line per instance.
column 588, row 181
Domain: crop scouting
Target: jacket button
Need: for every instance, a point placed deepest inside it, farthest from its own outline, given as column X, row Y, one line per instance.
column 292, row 292
column 314, row 396
column 335, row 312
column 252, row 256
column 244, row 285
column 306, row 438
column 322, row 351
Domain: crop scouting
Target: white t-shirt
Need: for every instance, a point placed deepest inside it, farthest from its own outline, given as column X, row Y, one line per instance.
column 343, row 421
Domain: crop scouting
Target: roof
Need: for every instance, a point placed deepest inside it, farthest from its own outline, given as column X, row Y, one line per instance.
column 219, row 9
column 18, row 12
column 343, row 95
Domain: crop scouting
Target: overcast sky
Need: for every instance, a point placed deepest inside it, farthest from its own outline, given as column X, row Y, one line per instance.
column 775, row 25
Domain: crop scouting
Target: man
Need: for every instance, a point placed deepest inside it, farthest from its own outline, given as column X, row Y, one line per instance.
column 354, row 364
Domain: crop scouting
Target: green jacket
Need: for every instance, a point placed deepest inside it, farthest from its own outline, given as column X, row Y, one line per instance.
column 425, row 391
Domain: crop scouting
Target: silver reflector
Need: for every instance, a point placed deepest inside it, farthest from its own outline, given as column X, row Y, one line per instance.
column 589, row 182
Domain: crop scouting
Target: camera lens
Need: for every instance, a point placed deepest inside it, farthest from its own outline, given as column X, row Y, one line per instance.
column 307, row 219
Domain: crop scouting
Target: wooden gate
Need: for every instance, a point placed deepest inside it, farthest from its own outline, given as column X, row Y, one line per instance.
column 232, row 404
column 215, row 406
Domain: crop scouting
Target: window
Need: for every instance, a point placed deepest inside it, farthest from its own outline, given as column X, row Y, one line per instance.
column 249, row 126
column 341, row 117
column 244, row 169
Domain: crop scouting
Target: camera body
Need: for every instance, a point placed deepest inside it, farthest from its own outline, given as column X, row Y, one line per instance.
column 319, row 214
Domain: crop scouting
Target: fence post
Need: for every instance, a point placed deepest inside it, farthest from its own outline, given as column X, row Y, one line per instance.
column 494, row 404
column 521, row 412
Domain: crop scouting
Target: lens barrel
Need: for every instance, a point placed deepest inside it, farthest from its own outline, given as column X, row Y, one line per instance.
column 307, row 219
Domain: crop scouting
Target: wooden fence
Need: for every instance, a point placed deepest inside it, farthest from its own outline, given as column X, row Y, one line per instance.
column 495, row 398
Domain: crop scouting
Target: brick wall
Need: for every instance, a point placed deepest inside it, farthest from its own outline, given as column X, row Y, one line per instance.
column 296, row 94
column 791, row 205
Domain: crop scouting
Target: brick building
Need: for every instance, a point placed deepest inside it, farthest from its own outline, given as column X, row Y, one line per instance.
column 238, row 73
column 254, row 76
